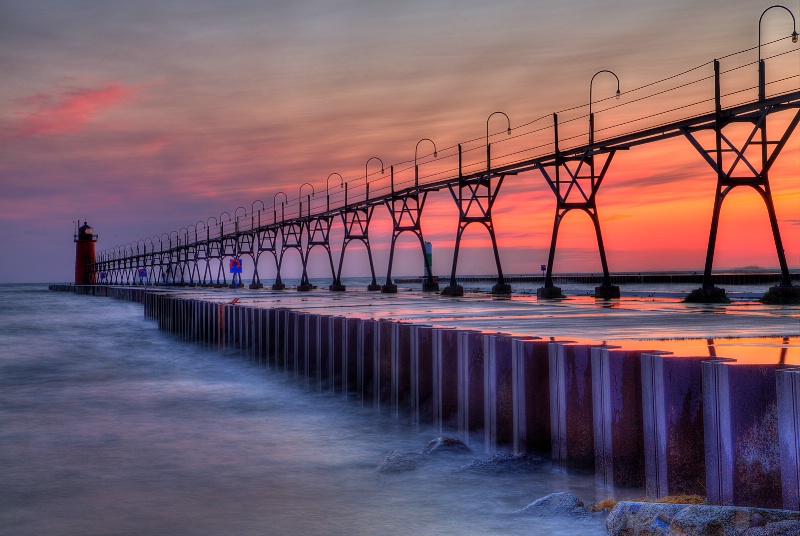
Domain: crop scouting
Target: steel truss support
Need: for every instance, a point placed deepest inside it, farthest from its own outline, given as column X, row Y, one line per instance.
column 263, row 241
column 291, row 238
column 735, row 168
column 577, row 192
column 476, row 207
column 216, row 251
column 406, row 210
column 318, row 229
column 356, row 227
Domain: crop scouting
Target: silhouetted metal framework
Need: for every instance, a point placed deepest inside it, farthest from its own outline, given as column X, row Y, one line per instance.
column 475, row 197
column 406, row 208
column 356, row 227
column 574, row 175
column 734, row 169
column 578, row 191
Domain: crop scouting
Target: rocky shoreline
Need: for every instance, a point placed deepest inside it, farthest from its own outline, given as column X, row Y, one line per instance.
column 625, row 518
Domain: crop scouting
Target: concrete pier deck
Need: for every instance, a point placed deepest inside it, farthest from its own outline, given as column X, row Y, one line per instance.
column 741, row 330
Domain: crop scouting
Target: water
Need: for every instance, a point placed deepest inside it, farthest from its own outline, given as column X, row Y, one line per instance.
column 111, row 427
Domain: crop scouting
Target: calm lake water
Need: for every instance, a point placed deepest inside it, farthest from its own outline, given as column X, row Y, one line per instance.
column 110, row 427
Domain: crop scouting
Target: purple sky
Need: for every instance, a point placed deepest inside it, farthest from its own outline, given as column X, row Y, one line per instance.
column 144, row 117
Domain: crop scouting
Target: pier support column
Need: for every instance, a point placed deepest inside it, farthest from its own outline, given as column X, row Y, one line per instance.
column 383, row 366
column 788, row 387
column 531, row 393
column 498, row 392
column 400, row 367
column 421, row 372
column 471, row 411
column 672, row 404
column 571, row 411
column 741, row 432
column 445, row 379
column 368, row 348
column 617, row 405
column 350, row 354
column 335, row 353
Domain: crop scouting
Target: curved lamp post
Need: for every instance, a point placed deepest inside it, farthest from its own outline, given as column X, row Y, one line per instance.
column 328, row 189
column 591, row 115
column 761, row 66
column 274, row 204
column 366, row 178
column 253, row 213
column 185, row 236
column 222, row 223
column 236, row 215
column 416, row 168
column 208, row 226
column 197, row 230
column 300, row 198
column 488, row 147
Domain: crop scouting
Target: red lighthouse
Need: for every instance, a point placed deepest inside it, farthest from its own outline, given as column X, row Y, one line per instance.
column 85, row 253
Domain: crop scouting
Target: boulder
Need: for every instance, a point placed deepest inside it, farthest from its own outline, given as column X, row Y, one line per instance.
column 446, row 445
column 779, row 528
column 639, row 518
column 398, row 462
column 666, row 519
column 504, row 463
column 704, row 520
column 557, row 505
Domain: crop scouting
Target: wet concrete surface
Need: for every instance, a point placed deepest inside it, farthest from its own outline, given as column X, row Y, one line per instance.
column 744, row 330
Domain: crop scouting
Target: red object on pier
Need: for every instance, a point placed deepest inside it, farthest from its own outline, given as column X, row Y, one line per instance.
column 85, row 255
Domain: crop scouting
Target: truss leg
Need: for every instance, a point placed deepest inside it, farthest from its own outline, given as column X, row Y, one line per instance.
column 501, row 288
column 305, row 284
column 429, row 285
column 389, row 287
column 337, row 279
column 606, row 291
column 454, row 289
column 278, row 285
column 373, row 286
column 549, row 291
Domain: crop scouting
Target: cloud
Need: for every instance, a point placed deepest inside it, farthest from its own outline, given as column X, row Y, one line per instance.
column 44, row 114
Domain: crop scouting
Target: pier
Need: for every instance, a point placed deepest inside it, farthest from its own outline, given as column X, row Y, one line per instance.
column 674, row 417
column 727, row 127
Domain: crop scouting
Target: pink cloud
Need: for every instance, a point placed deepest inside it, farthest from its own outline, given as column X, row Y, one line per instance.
column 47, row 114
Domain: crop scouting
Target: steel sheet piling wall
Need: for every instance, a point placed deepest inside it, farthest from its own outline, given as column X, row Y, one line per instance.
column 531, row 399
column 421, row 374
column 617, row 407
column 741, row 431
column 788, row 387
column 635, row 417
column 571, row 408
column 672, row 404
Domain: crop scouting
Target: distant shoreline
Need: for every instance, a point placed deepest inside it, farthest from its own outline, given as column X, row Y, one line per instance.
column 731, row 277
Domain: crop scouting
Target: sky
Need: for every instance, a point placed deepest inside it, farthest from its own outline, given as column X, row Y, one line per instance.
column 147, row 117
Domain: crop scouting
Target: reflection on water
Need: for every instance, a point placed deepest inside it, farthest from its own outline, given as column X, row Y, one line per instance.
column 108, row 426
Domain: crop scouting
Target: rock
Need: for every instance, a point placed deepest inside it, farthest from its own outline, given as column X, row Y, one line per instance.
column 446, row 445
column 504, row 463
column 662, row 519
column 397, row 462
column 779, row 528
column 629, row 518
column 704, row 520
column 557, row 504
